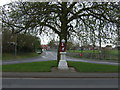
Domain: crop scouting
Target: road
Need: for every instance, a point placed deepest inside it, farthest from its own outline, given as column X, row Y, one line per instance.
column 50, row 55
column 46, row 56
column 60, row 83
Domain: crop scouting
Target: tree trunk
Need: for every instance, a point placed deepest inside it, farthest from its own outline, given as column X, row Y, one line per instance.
column 118, row 42
column 58, row 52
column 64, row 28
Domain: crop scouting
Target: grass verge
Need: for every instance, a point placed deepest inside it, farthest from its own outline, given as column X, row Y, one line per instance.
column 92, row 67
column 95, row 55
column 114, row 52
column 45, row 66
column 10, row 56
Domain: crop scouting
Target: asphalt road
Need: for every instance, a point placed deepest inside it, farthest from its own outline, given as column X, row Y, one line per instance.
column 46, row 56
column 60, row 83
column 50, row 55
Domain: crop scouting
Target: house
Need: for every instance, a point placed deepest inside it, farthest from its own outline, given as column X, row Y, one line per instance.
column 87, row 47
column 45, row 47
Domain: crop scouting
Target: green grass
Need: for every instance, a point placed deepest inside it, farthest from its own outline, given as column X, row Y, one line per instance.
column 90, row 54
column 9, row 56
column 91, row 67
column 115, row 52
column 44, row 66
column 84, row 51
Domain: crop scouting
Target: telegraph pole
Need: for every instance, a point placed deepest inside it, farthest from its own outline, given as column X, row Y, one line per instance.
column 15, row 45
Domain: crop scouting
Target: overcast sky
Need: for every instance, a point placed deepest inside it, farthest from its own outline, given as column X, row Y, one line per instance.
column 2, row 2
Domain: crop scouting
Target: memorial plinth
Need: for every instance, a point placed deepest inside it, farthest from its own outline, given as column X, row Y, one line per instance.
column 63, row 63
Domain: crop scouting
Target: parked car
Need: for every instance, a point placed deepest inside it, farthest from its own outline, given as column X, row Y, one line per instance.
column 38, row 51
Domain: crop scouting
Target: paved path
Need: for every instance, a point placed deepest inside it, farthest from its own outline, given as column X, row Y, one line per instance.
column 58, row 75
column 60, row 83
column 49, row 55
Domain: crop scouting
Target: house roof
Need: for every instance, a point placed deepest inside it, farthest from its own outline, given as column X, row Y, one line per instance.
column 44, row 46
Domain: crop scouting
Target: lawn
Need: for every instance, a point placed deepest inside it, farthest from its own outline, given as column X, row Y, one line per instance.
column 45, row 66
column 92, row 67
column 115, row 52
column 90, row 54
column 9, row 56
column 84, row 51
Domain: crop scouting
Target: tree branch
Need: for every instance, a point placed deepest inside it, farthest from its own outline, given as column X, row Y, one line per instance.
column 53, row 28
column 76, row 15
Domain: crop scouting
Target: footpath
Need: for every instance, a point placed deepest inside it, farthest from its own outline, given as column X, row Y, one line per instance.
column 71, row 73
column 55, row 73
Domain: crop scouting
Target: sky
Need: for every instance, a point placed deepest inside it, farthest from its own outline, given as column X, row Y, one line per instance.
column 2, row 2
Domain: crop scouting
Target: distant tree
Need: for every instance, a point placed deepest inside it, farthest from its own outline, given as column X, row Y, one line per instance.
column 23, row 42
column 70, row 45
column 53, row 44
column 27, row 42
column 7, row 41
